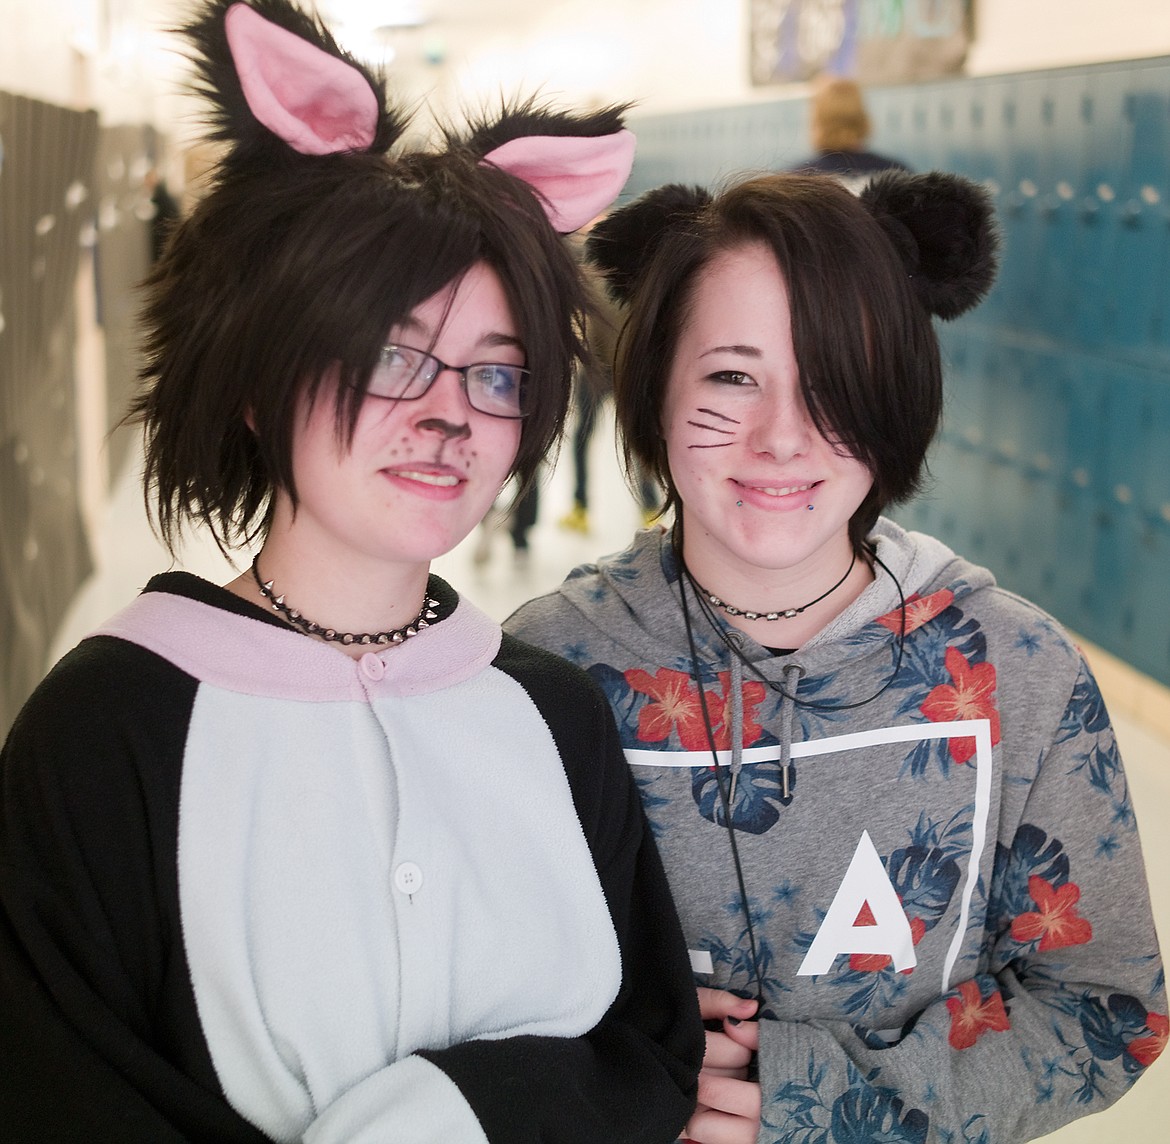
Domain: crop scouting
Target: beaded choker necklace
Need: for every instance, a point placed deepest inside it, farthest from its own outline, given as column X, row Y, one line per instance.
column 783, row 614
column 291, row 616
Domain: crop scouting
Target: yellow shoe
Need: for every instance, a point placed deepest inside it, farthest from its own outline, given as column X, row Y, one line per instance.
column 576, row 520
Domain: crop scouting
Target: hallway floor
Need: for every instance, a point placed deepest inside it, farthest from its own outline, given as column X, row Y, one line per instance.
column 128, row 554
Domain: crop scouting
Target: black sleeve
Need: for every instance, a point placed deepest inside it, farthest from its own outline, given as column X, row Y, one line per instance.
column 633, row 1078
column 100, row 1039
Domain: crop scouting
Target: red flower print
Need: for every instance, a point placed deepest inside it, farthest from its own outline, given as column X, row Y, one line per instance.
column 970, row 696
column 1055, row 922
column 720, row 708
column 972, row 1015
column 1146, row 1050
column 919, row 610
column 876, row 962
column 674, row 705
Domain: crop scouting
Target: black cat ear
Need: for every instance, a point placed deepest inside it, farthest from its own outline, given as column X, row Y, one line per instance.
column 577, row 164
column 276, row 79
column 945, row 231
column 488, row 129
column 622, row 244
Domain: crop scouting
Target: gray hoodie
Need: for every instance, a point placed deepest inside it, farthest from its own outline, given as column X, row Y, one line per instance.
column 950, row 929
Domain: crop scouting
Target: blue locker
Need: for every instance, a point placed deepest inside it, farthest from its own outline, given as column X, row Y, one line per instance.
column 1056, row 123
column 1151, row 642
column 1135, row 213
column 1105, row 158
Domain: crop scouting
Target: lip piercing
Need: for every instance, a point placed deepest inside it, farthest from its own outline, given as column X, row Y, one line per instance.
column 810, row 508
column 739, row 504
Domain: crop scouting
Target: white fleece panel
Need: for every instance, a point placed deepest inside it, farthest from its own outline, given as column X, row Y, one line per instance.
column 413, row 1102
column 312, row 970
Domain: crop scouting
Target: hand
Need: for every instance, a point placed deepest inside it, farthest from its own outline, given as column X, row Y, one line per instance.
column 728, row 1111
column 729, row 1052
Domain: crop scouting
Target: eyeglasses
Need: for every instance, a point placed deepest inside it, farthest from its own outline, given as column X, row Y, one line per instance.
column 405, row 374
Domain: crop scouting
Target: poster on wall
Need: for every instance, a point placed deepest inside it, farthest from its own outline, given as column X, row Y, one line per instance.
column 873, row 41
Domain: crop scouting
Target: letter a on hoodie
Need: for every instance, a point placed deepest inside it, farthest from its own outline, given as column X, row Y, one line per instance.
column 865, row 891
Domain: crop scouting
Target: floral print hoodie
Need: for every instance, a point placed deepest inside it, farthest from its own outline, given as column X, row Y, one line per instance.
column 950, row 926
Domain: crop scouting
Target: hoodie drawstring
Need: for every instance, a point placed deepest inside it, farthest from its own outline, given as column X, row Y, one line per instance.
column 792, row 673
column 791, row 681
column 736, row 722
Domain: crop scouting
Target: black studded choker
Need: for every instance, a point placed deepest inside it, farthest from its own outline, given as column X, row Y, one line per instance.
column 294, row 618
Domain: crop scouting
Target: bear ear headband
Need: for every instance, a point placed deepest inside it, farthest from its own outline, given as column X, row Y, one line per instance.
column 941, row 225
column 624, row 243
column 281, row 87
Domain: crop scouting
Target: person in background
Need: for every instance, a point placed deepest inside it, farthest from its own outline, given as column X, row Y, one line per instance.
column 886, row 790
column 839, row 127
column 164, row 212
column 322, row 855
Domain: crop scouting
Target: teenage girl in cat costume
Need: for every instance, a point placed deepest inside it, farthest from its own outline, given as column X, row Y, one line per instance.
column 320, row 854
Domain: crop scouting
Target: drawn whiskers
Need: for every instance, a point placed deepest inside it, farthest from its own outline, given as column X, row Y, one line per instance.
column 713, row 429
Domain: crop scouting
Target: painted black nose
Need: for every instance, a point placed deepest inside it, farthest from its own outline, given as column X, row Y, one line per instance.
column 448, row 430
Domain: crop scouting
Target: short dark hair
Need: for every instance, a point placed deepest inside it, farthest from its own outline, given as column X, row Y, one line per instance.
column 870, row 371
column 279, row 275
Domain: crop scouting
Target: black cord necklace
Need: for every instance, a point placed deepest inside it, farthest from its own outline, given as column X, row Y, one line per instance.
column 309, row 628
column 724, row 798
column 685, row 577
column 718, row 629
column 784, row 614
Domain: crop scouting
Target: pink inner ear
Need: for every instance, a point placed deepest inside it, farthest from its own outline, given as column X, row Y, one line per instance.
column 315, row 102
column 577, row 176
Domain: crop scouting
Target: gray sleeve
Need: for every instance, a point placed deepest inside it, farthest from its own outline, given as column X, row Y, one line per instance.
column 550, row 622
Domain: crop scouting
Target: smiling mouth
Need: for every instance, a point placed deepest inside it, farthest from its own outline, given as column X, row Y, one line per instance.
column 786, row 490
column 440, row 480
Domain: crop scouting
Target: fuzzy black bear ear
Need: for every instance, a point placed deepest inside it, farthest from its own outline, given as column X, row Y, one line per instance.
column 276, row 79
column 943, row 226
column 622, row 244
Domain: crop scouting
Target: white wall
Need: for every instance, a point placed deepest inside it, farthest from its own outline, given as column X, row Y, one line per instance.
column 1021, row 35
column 109, row 54
column 666, row 54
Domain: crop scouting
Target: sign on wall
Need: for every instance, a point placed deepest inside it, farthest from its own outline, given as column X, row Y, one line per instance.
column 873, row 41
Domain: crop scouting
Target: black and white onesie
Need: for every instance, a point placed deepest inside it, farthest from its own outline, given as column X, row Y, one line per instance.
column 253, row 888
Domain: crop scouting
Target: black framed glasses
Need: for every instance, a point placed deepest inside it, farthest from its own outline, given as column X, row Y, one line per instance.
column 405, row 374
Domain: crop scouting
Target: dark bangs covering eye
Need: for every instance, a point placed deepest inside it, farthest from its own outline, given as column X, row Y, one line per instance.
column 868, row 355
column 275, row 282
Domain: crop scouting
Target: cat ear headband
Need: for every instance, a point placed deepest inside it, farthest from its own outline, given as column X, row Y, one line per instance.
column 942, row 226
column 281, row 87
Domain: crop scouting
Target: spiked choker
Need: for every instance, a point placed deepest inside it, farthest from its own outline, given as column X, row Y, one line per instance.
column 294, row 618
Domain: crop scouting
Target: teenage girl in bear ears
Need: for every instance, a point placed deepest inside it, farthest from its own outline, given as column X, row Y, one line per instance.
column 885, row 790
column 321, row 855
